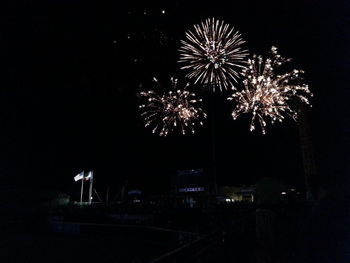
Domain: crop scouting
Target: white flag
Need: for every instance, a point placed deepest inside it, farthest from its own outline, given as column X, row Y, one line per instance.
column 79, row 176
column 89, row 176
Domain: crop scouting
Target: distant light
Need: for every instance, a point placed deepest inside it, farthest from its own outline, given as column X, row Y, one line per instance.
column 191, row 189
column 283, row 193
column 163, row 11
column 145, row 13
column 292, row 189
column 114, row 41
column 228, row 200
column 129, row 37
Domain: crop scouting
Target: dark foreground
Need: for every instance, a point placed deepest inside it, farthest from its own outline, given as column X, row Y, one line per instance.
column 289, row 233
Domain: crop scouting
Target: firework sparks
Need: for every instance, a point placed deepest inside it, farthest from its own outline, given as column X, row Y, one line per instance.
column 212, row 54
column 176, row 109
column 267, row 95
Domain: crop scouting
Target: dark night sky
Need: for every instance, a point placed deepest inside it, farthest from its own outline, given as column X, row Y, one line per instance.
column 69, row 82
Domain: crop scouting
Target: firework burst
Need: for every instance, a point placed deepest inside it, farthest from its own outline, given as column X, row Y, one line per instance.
column 176, row 109
column 268, row 95
column 212, row 54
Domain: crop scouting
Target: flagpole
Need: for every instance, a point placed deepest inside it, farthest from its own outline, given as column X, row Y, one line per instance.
column 82, row 189
column 91, row 182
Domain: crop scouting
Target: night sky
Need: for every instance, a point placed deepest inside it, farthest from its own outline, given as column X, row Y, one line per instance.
column 73, row 68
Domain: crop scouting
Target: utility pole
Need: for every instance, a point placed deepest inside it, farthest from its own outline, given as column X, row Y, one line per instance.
column 213, row 145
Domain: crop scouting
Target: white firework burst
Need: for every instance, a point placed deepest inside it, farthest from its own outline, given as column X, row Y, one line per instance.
column 268, row 95
column 177, row 108
column 212, row 54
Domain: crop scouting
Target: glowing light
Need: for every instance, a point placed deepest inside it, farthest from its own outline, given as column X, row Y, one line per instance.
column 212, row 54
column 266, row 94
column 177, row 109
column 191, row 189
column 283, row 193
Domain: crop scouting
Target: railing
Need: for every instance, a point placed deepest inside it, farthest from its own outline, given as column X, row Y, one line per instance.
column 222, row 245
column 193, row 251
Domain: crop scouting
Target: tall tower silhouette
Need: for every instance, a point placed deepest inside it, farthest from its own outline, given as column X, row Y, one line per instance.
column 307, row 150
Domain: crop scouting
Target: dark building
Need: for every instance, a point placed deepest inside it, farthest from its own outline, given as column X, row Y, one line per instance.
column 192, row 187
column 191, row 181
